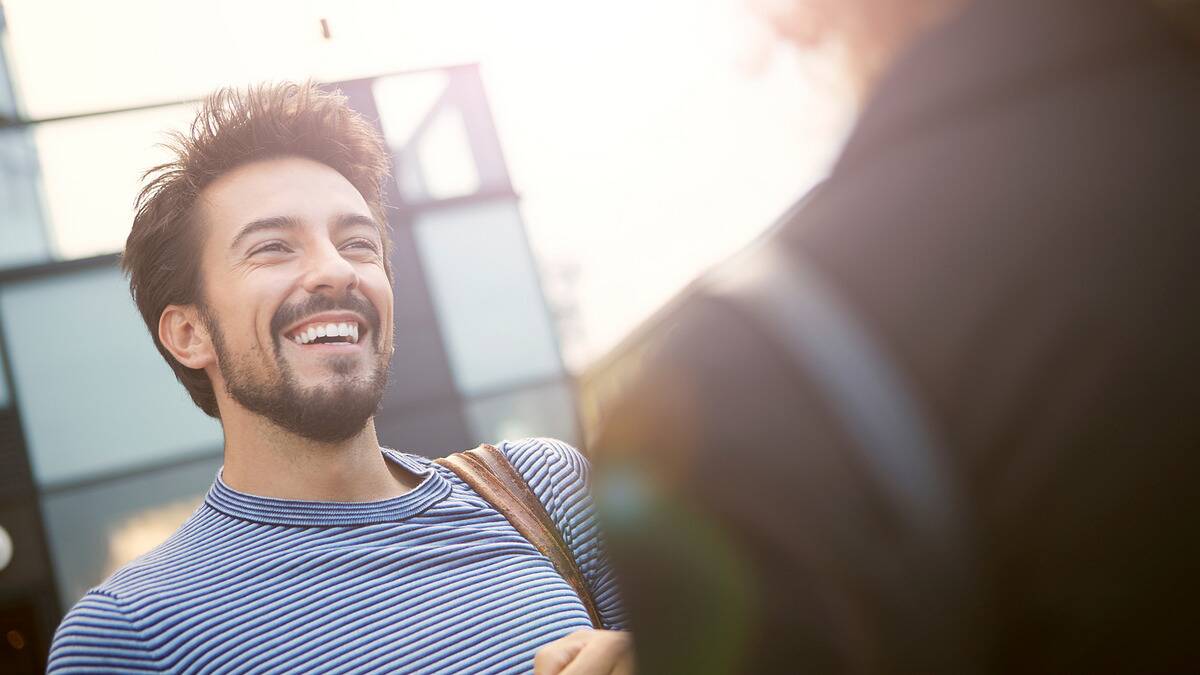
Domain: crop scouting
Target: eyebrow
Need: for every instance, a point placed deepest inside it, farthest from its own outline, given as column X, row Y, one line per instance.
column 272, row 223
column 347, row 220
column 341, row 222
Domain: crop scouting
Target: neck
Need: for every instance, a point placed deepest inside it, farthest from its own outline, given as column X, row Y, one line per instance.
column 263, row 459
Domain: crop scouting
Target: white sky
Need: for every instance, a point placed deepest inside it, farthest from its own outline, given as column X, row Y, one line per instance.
column 642, row 150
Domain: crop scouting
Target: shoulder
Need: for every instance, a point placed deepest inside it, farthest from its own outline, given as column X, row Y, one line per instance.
column 106, row 628
column 541, row 460
column 548, row 466
column 559, row 475
column 99, row 630
column 704, row 360
column 97, row 605
column 706, row 341
column 554, row 471
column 164, row 562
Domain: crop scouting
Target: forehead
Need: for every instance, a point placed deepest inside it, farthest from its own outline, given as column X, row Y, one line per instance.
column 297, row 187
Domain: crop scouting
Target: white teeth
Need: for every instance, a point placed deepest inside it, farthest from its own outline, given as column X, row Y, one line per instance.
column 345, row 329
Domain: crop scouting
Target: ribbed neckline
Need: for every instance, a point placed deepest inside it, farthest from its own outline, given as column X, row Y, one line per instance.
column 303, row 513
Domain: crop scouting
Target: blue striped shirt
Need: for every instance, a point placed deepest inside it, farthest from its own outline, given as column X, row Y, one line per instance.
column 432, row 581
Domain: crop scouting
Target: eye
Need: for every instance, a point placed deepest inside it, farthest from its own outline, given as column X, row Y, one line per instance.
column 271, row 247
column 361, row 244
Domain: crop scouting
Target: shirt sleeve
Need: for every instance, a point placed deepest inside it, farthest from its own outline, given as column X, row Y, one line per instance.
column 98, row 635
column 559, row 475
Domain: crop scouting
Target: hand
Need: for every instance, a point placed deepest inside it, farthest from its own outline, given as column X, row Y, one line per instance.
column 587, row 652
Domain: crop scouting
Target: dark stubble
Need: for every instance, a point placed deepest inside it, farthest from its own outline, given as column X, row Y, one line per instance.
column 332, row 412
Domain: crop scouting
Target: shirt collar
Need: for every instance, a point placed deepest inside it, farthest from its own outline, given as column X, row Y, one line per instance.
column 303, row 513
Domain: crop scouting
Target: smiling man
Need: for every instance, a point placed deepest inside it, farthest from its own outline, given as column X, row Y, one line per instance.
column 259, row 261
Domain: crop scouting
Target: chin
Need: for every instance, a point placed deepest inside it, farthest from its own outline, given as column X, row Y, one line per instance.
column 332, row 410
column 329, row 416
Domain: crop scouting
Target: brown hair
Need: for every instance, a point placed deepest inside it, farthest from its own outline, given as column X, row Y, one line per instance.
column 1184, row 15
column 233, row 128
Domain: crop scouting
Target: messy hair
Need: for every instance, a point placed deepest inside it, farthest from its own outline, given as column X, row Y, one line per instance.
column 233, row 128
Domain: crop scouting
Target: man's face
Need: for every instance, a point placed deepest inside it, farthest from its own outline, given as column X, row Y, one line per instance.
column 293, row 259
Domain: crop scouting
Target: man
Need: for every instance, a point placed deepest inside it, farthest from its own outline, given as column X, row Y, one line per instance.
column 259, row 260
column 943, row 417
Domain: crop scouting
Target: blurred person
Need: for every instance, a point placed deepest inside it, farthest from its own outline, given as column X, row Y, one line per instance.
column 259, row 259
column 942, row 416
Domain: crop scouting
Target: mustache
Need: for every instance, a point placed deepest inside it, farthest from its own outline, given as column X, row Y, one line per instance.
column 287, row 315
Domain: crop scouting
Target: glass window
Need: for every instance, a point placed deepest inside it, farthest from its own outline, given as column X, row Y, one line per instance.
column 22, row 238
column 544, row 410
column 486, row 296
column 94, row 394
column 93, row 531
column 8, row 102
column 405, row 102
column 432, row 430
column 445, row 157
column 428, row 136
column 92, row 172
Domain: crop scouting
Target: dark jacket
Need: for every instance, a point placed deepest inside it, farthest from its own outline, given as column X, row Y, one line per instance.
column 1015, row 221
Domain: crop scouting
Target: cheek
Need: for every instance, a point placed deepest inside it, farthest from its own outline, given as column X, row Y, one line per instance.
column 382, row 299
column 246, row 331
column 261, row 305
column 379, row 292
column 249, row 333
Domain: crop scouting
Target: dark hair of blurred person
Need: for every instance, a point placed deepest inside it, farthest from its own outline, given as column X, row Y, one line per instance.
column 1011, row 231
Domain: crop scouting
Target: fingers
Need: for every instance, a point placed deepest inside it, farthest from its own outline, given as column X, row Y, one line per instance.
column 587, row 652
column 626, row 664
column 554, row 657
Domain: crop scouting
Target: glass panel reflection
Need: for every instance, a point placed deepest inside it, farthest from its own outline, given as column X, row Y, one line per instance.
column 92, row 172
column 79, row 351
column 487, row 296
column 444, row 153
column 543, row 410
column 405, row 103
column 22, row 237
column 95, row 530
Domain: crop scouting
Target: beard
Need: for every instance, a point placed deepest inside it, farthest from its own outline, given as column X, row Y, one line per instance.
column 333, row 412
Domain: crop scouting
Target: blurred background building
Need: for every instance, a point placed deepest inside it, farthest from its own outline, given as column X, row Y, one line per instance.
column 560, row 170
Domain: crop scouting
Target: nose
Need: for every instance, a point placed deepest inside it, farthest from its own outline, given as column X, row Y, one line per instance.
column 329, row 272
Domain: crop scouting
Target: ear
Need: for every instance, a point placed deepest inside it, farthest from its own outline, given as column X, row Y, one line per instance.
column 184, row 335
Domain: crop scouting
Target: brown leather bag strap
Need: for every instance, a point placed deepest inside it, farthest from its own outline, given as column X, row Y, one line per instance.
column 488, row 472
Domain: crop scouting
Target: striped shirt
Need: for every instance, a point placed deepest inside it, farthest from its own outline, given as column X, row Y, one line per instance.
column 432, row 581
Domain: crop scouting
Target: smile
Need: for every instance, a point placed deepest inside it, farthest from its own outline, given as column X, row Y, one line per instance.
column 345, row 332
